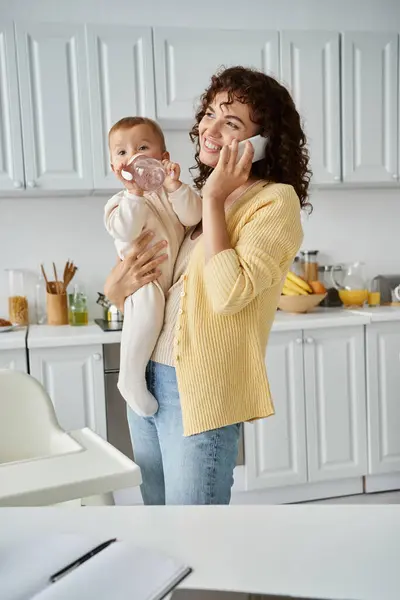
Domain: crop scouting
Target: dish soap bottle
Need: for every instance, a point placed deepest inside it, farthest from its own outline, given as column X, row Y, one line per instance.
column 147, row 172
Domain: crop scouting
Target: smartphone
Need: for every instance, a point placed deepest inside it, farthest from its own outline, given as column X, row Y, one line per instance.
column 259, row 144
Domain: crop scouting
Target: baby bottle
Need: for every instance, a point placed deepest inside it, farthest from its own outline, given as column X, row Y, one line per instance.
column 147, row 172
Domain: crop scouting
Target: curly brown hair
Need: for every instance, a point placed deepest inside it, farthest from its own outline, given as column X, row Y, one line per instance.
column 272, row 108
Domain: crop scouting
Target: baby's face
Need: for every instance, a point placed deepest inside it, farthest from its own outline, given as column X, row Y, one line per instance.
column 140, row 139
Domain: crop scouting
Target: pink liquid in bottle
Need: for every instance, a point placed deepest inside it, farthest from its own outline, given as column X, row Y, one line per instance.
column 147, row 172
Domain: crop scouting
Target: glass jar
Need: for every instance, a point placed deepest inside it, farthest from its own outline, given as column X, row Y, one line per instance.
column 297, row 266
column 78, row 312
column 40, row 300
column 310, row 265
column 18, row 309
column 332, row 299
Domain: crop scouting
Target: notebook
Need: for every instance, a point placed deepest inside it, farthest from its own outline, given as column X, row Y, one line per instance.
column 121, row 571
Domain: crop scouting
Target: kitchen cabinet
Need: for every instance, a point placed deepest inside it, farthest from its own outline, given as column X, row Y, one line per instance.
column 310, row 69
column 11, row 158
column 13, row 358
column 54, row 99
column 74, row 379
column 121, row 83
column 334, row 367
column 370, row 67
column 275, row 448
column 319, row 431
column 185, row 59
column 383, row 394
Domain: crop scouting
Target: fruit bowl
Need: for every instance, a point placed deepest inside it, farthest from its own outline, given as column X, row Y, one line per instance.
column 300, row 304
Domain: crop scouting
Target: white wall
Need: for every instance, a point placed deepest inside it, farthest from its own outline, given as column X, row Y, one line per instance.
column 346, row 225
column 227, row 14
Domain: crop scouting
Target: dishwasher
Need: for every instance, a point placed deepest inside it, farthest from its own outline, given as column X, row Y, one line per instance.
column 117, row 423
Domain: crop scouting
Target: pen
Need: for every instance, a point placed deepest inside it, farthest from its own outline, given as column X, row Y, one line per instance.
column 79, row 561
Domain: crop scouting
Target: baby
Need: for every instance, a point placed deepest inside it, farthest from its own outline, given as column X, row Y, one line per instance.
column 166, row 212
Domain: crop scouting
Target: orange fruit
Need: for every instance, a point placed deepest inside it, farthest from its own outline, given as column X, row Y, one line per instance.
column 317, row 287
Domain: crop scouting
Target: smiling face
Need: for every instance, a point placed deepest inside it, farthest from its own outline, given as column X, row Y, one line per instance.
column 139, row 139
column 221, row 124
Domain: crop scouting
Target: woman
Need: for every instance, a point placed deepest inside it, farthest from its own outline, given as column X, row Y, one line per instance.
column 227, row 282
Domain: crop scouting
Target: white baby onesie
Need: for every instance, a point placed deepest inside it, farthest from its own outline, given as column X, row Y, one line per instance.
column 126, row 216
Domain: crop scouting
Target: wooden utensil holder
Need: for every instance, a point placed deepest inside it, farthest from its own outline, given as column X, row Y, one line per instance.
column 57, row 309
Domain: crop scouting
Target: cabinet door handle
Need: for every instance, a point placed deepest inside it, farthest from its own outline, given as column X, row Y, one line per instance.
column 309, row 340
column 31, row 184
column 18, row 185
column 97, row 356
column 299, row 340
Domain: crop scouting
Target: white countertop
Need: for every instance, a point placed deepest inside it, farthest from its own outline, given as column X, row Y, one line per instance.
column 318, row 319
column 333, row 552
column 50, row 336
column 380, row 313
column 46, row 336
column 13, row 340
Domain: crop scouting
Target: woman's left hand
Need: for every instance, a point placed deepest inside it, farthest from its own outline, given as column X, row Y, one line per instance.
column 229, row 174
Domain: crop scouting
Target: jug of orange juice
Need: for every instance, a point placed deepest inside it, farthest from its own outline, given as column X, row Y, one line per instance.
column 353, row 289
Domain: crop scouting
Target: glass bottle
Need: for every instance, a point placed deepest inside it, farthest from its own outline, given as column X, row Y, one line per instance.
column 40, row 300
column 147, row 172
column 310, row 265
column 78, row 311
column 18, row 309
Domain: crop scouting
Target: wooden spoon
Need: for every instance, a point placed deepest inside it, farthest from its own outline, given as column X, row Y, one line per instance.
column 46, row 280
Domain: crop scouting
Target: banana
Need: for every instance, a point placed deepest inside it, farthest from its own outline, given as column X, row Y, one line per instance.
column 299, row 281
column 295, row 288
column 288, row 292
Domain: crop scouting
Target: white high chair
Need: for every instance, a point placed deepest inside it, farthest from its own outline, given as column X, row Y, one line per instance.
column 40, row 464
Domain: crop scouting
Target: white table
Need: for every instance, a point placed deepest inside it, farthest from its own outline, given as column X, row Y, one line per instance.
column 340, row 552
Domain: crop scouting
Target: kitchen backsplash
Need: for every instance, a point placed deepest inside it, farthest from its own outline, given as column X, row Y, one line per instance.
column 346, row 225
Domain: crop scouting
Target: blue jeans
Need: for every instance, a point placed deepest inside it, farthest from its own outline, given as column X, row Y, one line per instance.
column 175, row 469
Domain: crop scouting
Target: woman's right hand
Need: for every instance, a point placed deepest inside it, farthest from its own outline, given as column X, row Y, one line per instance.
column 137, row 269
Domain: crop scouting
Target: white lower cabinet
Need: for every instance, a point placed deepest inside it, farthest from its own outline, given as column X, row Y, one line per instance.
column 334, row 375
column 13, row 359
column 383, row 384
column 74, row 379
column 319, row 431
column 275, row 448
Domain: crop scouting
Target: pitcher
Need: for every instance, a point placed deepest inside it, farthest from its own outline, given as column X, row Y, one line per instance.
column 353, row 290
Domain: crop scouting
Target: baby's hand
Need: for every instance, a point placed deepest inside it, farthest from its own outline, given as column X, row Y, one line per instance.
column 130, row 186
column 173, row 171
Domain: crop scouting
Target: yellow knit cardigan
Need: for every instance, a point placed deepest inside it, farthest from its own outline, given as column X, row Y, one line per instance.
column 227, row 308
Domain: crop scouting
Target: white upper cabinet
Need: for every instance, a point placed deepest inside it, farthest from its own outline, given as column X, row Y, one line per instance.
column 121, row 76
column 275, row 448
column 370, row 107
column 185, row 60
column 310, row 69
column 334, row 367
column 383, row 381
column 54, row 105
column 11, row 159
